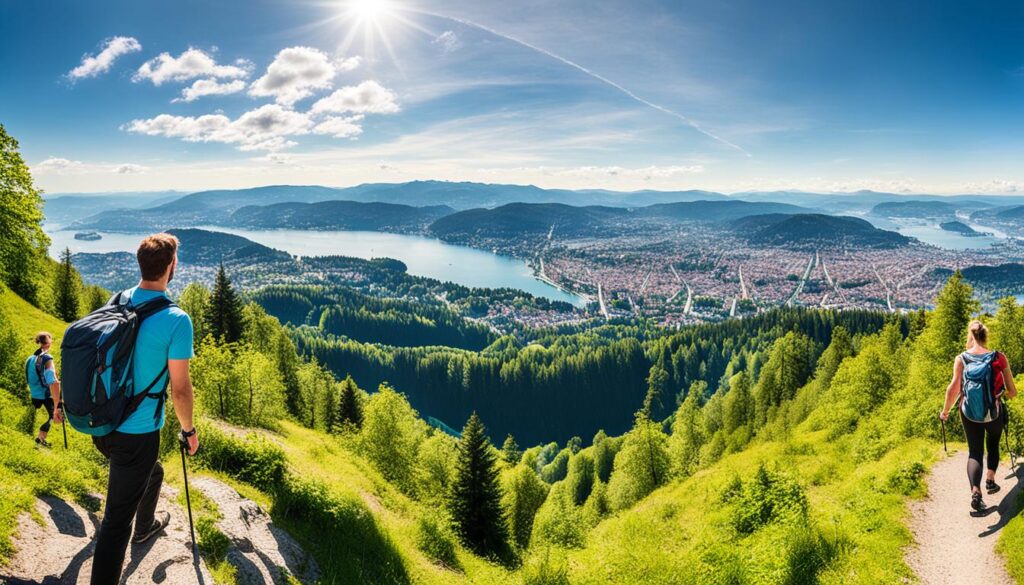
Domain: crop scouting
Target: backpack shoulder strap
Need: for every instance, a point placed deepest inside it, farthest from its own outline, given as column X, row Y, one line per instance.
column 152, row 307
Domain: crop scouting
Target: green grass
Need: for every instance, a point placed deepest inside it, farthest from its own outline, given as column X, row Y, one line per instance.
column 28, row 320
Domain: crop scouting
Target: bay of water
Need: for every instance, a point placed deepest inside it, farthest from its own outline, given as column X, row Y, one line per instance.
column 931, row 233
column 423, row 256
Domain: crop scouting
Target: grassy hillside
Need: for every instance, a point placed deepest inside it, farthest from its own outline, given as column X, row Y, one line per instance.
column 28, row 320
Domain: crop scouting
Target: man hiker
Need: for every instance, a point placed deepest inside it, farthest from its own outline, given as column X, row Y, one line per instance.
column 43, row 384
column 982, row 379
column 162, row 350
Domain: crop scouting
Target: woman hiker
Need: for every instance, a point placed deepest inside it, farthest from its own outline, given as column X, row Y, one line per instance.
column 982, row 379
column 43, row 384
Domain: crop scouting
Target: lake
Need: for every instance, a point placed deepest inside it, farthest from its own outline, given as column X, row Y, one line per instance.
column 931, row 233
column 423, row 256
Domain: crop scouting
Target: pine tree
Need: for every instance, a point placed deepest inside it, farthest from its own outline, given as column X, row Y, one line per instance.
column 510, row 450
column 476, row 495
column 66, row 289
column 95, row 297
column 350, row 410
column 224, row 313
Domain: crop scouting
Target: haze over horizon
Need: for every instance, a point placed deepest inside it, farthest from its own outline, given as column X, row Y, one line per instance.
column 624, row 96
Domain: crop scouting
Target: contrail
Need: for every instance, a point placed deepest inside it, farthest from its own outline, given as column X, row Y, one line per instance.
column 588, row 72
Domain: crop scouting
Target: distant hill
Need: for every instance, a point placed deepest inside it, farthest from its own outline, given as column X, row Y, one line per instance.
column 814, row 229
column 716, row 210
column 206, row 247
column 525, row 219
column 339, row 215
column 1003, row 277
column 69, row 207
column 1010, row 215
column 914, row 209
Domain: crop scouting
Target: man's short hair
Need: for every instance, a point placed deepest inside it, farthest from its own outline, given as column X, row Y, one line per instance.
column 155, row 254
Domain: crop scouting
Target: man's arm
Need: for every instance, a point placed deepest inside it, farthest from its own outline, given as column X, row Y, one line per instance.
column 55, row 392
column 183, row 397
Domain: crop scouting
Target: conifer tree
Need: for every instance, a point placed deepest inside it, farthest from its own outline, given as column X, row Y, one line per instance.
column 95, row 297
column 224, row 313
column 510, row 450
column 350, row 411
column 476, row 495
column 66, row 289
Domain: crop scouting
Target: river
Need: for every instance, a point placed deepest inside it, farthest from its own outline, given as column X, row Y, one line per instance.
column 423, row 256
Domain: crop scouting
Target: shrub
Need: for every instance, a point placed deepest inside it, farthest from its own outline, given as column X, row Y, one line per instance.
column 907, row 479
column 808, row 552
column 253, row 460
column 435, row 540
column 543, row 570
column 769, row 497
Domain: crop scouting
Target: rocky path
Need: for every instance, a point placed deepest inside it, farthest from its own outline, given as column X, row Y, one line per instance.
column 60, row 550
column 952, row 545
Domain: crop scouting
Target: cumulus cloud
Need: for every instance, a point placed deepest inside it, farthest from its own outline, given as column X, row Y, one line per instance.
column 340, row 127
column 129, row 169
column 369, row 97
column 56, row 164
column 93, row 65
column 62, row 166
column 204, row 87
column 297, row 72
column 449, row 41
column 265, row 128
column 190, row 64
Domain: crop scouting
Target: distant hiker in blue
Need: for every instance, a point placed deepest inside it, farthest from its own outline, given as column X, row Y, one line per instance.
column 982, row 380
column 43, row 384
column 163, row 349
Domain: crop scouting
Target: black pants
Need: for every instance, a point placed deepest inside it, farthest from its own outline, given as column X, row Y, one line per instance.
column 982, row 437
column 48, row 404
column 132, row 492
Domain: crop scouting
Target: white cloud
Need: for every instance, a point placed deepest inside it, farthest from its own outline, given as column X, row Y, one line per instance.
column 129, row 169
column 297, row 72
column 340, row 127
column 265, row 128
column 190, row 64
column 204, row 87
column 449, row 41
column 369, row 97
column 62, row 166
column 56, row 165
column 91, row 66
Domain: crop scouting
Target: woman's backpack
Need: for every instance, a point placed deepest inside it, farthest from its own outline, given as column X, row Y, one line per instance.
column 98, row 357
column 978, row 400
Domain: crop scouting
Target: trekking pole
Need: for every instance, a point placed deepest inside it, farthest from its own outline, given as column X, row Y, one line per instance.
column 183, row 443
column 942, row 423
column 63, row 425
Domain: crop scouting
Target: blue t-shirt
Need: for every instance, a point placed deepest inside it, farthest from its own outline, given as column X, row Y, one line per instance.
column 165, row 335
column 40, row 389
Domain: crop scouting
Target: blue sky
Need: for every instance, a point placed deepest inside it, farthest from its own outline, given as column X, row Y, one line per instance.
column 725, row 95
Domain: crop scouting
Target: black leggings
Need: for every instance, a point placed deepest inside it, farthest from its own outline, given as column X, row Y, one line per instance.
column 982, row 437
column 48, row 404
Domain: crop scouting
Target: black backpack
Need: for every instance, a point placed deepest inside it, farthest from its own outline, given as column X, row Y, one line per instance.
column 42, row 359
column 97, row 366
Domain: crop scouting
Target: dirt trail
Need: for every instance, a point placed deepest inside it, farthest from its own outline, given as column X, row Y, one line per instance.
column 261, row 551
column 60, row 550
column 954, row 546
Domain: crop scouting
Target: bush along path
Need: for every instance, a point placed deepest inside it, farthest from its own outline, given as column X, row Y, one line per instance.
column 952, row 544
column 57, row 547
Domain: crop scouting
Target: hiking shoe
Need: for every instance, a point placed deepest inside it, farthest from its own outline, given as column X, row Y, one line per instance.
column 991, row 486
column 976, row 502
column 160, row 521
column 42, row 443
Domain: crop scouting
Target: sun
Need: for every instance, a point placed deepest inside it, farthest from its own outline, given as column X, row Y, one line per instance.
column 369, row 10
